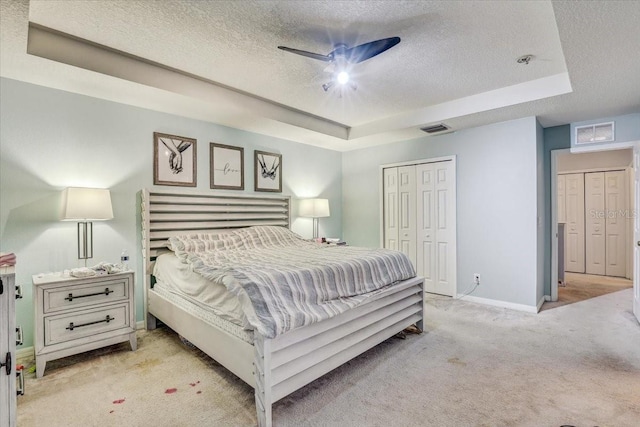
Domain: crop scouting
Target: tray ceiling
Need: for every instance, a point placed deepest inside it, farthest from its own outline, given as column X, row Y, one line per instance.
column 219, row 61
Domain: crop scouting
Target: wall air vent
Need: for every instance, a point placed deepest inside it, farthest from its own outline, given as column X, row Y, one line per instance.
column 435, row 128
column 601, row 132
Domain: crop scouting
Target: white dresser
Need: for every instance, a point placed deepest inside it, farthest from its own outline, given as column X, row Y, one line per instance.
column 74, row 315
column 8, row 372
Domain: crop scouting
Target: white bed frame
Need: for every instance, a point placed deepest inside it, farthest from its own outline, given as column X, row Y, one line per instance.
column 273, row 367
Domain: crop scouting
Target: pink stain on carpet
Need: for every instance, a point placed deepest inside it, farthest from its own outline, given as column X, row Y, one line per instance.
column 118, row 401
column 170, row 390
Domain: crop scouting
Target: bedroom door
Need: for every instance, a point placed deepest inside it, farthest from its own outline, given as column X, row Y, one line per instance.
column 436, row 225
column 595, row 219
column 574, row 243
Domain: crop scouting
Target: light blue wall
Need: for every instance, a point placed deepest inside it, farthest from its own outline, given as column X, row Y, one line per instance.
column 497, row 198
column 543, row 260
column 50, row 139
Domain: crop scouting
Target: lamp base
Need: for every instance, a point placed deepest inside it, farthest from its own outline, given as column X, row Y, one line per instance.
column 315, row 228
column 85, row 240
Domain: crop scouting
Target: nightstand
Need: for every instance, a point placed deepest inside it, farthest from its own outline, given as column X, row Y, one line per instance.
column 74, row 315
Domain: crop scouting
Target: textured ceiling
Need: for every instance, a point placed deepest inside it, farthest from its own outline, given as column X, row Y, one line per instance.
column 456, row 62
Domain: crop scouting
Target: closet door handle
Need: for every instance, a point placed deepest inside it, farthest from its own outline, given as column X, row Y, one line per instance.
column 7, row 363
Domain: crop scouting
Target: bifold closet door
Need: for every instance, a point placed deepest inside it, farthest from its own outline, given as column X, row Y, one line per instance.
column 616, row 223
column 436, row 226
column 574, row 243
column 595, row 211
column 400, row 210
column 390, row 208
column 595, row 226
column 562, row 201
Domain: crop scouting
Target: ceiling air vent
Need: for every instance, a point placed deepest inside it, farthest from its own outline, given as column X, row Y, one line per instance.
column 435, row 128
column 601, row 132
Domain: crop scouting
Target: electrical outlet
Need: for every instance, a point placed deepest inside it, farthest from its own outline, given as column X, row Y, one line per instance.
column 476, row 279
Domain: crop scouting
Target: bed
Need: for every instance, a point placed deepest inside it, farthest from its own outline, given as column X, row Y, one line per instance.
column 274, row 358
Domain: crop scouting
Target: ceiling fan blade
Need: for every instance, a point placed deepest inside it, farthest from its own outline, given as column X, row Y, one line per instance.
column 369, row 50
column 325, row 58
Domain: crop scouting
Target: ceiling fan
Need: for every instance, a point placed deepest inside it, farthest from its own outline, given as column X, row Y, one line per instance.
column 342, row 57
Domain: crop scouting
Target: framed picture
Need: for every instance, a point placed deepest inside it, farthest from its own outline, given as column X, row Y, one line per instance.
column 174, row 160
column 267, row 171
column 226, row 164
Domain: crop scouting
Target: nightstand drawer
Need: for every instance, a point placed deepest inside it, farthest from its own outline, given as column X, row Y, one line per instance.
column 82, row 295
column 71, row 326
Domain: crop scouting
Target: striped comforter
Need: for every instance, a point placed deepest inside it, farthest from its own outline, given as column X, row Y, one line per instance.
column 283, row 281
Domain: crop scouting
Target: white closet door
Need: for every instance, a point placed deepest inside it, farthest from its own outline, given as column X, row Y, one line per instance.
column 595, row 218
column 562, row 205
column 574, row 244
column 390, row 208
column 407, row 211
column 616, row 220
column 436, row 226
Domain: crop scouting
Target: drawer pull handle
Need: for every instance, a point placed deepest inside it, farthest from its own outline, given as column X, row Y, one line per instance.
column 20, row 375
column 106, row 291
column 107, row 319
column 19, row 335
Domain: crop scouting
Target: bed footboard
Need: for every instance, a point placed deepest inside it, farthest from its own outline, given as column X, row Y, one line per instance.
column 290, row 361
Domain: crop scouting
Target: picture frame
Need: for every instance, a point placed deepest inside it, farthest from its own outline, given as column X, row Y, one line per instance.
column 226, row 167
column 267, row 171
column 174, row 160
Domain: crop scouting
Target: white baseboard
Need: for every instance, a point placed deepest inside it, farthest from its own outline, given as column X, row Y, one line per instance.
column 542, row 300
column 25, row 355
column 497, row 303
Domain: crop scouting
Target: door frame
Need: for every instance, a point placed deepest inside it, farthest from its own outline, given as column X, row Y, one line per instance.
column 454, row 161
column 554, row 201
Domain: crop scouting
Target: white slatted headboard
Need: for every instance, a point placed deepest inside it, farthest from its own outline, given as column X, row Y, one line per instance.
column 166, row 214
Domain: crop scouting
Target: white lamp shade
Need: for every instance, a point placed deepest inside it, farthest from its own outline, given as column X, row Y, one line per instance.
column 86, row 204
column 314, row 208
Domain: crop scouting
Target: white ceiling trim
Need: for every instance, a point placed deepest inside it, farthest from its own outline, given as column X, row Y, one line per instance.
column 442, row 72
column 61, row 47
column 67, row 49
column 533, row 90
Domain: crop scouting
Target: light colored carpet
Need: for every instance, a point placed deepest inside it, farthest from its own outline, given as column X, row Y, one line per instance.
column 475, row 366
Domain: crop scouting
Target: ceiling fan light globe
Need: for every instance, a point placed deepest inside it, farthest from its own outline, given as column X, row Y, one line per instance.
column 342, row 77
